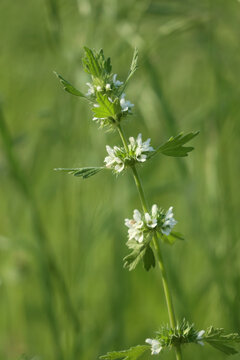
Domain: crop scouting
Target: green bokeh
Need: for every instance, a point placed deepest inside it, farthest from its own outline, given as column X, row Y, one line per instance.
column 188, row 80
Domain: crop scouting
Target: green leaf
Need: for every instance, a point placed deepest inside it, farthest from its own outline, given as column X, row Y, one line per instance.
column 68, row 87
column 82, row 172
column 227, row 343
column 172, row 237
column 132, row 354
column 132, row 260
column 149, row 258
column 174, row 146
column 90, row 63
column 106, row 108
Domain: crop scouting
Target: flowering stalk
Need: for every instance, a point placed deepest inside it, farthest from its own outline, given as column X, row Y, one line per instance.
column 167, row 292
column 146, row 229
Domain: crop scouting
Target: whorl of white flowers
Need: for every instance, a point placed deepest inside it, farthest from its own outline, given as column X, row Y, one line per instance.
column 143, row 224
column 155, row 346
column 118, row 157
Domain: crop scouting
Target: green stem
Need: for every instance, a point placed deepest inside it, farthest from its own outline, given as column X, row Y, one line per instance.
column 166, row 288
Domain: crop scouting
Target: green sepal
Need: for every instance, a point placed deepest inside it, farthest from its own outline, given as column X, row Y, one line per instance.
column 174, row 146
column 69, row 87
column 149, row 258
column 226, row 343
column 172, row 237
column 131, row 354
column 82, row 172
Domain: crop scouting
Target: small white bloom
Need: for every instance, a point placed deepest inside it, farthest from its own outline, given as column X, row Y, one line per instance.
column 90, row 90
column 155, row 345
column 140, row 148
column 116, row 82
column 108, row 86
column 200, row 337
column 113, row 161
column 99, row 88
column 151, row 222
column 169, row 222
column 135, row 226
column 126, row 105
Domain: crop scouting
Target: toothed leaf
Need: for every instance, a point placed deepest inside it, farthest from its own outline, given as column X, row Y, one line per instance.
column 69, row 87
column 81, row 172
column 132, row 354
column 174, row 146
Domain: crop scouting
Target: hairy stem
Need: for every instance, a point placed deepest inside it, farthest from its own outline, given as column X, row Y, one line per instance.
column 166, row 288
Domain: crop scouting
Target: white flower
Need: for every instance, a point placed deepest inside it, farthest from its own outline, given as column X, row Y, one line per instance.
column 113, row 161
column 90, row 90
column 125, row 104
column 169, row 222
column 200, row 337
column 99, row 88
column 108, row 86
column 155, row 345
column 151, row 220
column 139, row 147
column 135, row 226
column 116, row 82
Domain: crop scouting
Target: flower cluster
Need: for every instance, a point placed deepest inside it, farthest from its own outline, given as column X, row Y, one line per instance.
column 105, row 86
column 142, row 224
column 183, row 333
column 118, row 158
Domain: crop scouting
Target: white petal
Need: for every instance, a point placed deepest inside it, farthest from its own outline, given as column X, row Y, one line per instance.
column 154, row 210
column 137, row 215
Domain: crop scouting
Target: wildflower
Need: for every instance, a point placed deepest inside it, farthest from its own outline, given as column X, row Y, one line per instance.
column 155, row 346
column 139, row 147
column 108, row 86
column 90, row 90
column 116, row 82
column 99, row 88
column 125, row 104
column 200, row 337
column 135, row 226
column 151, row 221
column 113, row 160
column 169, row 222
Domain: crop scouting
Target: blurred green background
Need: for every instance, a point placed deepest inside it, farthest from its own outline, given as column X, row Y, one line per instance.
column 64, row 294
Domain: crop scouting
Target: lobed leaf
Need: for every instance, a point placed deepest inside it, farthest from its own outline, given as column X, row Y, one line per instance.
column 132, row 260
column 69, row 87
column 82, row 172
column 132, row 354
column 174, row 146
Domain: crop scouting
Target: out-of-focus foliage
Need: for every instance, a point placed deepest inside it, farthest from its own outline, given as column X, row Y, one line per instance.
column 63, row 291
